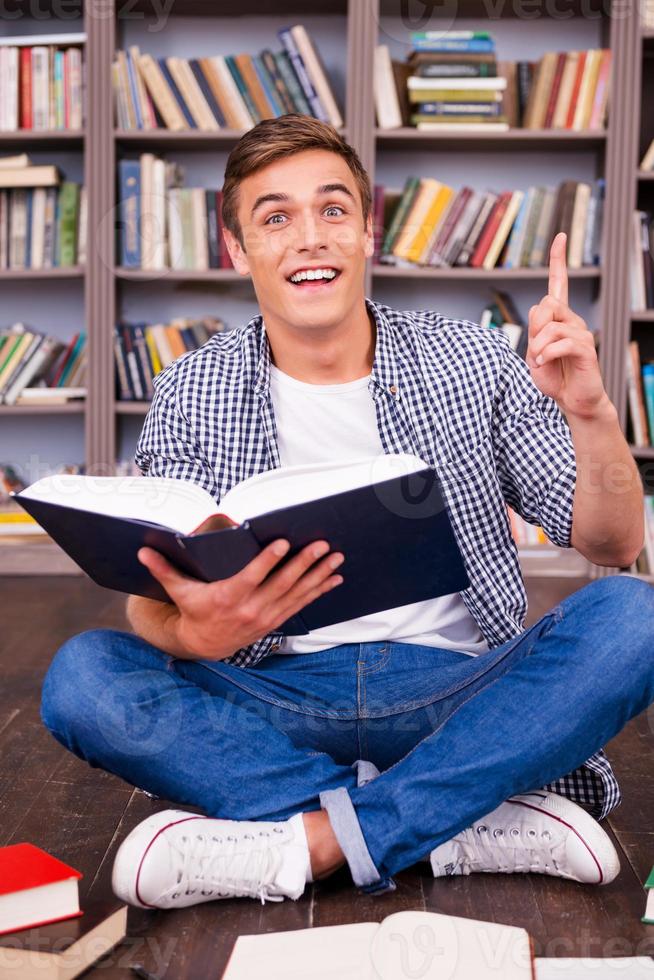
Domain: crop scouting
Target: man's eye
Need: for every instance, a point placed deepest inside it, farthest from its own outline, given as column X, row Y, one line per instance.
column 272, row 219
column 334, row 207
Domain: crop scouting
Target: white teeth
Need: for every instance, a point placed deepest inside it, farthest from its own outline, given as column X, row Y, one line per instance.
column 312, row 274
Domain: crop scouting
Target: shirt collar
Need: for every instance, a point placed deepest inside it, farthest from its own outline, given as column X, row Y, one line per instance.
column 384, row 375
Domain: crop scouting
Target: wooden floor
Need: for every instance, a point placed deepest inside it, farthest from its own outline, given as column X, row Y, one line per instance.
column 49, row 797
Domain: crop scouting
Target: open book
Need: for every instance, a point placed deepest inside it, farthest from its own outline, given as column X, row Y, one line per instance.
column 385, row 513
column 405, row 944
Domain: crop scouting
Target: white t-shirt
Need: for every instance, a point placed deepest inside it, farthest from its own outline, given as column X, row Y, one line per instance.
column 320, row 423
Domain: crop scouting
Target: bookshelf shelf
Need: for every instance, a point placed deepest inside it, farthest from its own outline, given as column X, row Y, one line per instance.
column 644, row 175
column 646, row 316
column 68, row 408
column 58, row 272
column 33, row 138
column 463, row 272
column 182, row 275
column 546, row 139
column 177, row 140
column 642, row 452
column 132, row 408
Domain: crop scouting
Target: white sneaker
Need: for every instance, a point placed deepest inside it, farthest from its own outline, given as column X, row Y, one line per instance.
column 174, row 859
column 539, row 832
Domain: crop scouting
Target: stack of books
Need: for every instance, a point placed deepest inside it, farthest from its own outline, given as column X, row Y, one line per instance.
column 640, row 396
column 142, row 350
column 41, row 82
column 641, row 267
column 454, row 81
column 434, row 225
column 42, row 218
column 164, row 225
column 232, row 91
column 569, row 90
column 38, row 369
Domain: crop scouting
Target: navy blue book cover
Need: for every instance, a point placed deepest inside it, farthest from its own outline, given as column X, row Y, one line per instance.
column 396, row 537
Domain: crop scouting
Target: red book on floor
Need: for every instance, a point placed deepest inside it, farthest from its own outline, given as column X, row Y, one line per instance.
column 35, row 888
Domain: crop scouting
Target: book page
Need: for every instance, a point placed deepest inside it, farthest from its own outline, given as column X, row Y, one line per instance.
column 321, row 953
column 290, row 485
column 176, row 504
column 445, row 947
column 564, row 968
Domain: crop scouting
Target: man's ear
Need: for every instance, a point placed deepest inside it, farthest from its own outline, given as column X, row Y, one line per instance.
column 236, row 253
column 369, row 247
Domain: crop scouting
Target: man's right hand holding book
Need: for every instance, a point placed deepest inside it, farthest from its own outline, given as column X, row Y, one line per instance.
column 212, row 620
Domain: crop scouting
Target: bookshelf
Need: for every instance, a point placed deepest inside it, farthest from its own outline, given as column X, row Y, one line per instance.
column 347, row 32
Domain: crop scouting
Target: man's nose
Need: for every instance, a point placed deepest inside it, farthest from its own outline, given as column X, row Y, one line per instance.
column 311, row 234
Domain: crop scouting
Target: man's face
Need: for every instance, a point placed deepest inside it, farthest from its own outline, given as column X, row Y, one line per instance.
column 300, row 215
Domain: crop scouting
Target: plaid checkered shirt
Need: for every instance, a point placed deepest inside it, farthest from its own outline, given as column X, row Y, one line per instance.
column 449, row 391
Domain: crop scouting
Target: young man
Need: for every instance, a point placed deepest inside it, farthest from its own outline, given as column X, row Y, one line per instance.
column 441, row 729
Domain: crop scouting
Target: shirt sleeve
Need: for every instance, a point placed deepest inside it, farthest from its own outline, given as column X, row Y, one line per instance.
column 534, row 452
column 167, row 445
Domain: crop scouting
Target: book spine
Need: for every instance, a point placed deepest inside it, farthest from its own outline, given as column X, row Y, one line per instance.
column 317, row 110
column 212, row 229
column 25, row 88
column 291, row 82
column 125, row 391
column 69, row 202
column 476, row 45
column 411, row 188
column 230, row 61
column 283, row 95
column 205, row 88
column 267, row 85
column 648, row 391
column 129, row 180
column 177, row 95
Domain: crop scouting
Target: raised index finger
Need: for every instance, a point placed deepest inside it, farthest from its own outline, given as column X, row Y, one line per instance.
column 558, row 270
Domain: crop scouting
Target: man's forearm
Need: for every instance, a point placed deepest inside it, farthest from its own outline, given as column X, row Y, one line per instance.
column 155, row 622
column 608, row 526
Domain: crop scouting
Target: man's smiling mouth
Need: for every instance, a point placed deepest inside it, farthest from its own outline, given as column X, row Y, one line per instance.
column 318, row 277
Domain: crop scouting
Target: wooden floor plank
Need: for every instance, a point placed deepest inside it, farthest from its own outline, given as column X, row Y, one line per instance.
column 82, row 814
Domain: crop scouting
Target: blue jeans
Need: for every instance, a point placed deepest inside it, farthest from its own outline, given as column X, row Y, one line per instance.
column 447, row 737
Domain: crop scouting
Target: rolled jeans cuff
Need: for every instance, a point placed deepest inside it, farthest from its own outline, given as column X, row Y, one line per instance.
column 347, row 831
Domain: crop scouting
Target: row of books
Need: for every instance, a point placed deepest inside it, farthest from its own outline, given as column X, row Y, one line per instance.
column 641, row 267
column 645, row 560
column 432, row 224
column 42, row 219
column 455, row 80
column 141, row 350
column 164, row 225
column 33, row 364
column 41, row 82
column 233, row 91
column 640, row 396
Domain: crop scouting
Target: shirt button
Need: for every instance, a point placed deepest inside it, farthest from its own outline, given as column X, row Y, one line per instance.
column 275, row 646
column 393, row 389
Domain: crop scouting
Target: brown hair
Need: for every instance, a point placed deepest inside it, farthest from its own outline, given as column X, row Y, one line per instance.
column 273, row 139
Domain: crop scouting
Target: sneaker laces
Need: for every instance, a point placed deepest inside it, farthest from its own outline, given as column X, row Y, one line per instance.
column 481, row 847
column 230, row 866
